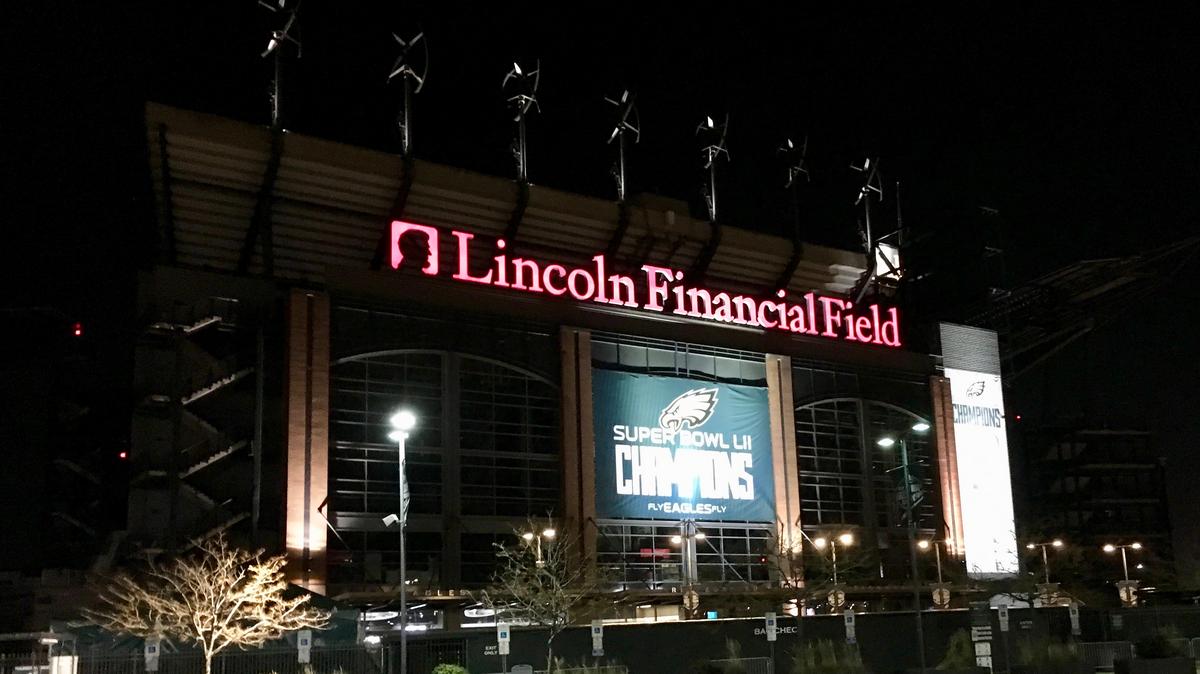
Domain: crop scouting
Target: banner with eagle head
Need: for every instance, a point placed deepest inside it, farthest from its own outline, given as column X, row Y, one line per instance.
column 673, row 448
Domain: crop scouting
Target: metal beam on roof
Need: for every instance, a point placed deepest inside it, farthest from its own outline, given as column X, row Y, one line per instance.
column 704, row 258
column 166, row 211
column 396, row 212
column 618, row 235
column 518, row 214
column 260, row 222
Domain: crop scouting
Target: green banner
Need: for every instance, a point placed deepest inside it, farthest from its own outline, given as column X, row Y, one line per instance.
column 676, row 449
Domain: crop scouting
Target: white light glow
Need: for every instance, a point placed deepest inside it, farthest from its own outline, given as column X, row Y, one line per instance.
column 920, row 427
column 404, row 420
column 885, row 442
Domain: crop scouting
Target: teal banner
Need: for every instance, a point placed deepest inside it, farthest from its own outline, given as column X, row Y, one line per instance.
column 678, row 449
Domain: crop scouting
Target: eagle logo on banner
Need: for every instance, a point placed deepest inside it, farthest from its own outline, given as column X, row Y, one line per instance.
column 975, row 390
column 691, row 409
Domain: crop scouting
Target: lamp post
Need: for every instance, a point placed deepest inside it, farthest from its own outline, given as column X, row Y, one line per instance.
column 910, row 510
column 535, row 541
column 937, row 551
column 821, row 543
column 1056, row 543
column 402, row 422
column 1110, row 548
column 1126, row 589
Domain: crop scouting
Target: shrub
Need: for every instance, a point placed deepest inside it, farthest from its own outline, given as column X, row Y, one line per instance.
column 825, row 657
column 960, row 652
column 1159, row 645
column 562, row 665
column 1048, row 656
column 446, row 668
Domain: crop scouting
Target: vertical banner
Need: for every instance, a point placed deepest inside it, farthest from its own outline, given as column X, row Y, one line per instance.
column 972, row 364
column 674, row 448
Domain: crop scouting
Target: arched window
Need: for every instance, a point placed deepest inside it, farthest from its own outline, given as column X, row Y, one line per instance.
column 486, row 447
column 846, row 478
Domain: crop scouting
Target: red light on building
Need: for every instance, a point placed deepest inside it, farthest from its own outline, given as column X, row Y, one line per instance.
column 77, row 329
column 123, row 455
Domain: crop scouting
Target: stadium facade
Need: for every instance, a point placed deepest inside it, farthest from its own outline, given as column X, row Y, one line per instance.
column 627, row 371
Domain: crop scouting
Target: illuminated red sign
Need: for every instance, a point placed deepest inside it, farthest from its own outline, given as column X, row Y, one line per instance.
column 664, row 291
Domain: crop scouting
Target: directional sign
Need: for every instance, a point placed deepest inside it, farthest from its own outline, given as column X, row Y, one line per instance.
column 503, row 636
column 304, row 646
column 1073, row 610
column 597, row 638
column 1003, row 615
column 848, row 619
column 770, row 618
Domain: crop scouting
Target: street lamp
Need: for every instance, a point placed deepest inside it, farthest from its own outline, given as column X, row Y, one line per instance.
column 937, row 551
column 887, row 442
column 536, row 540
column 1056, row 543
column 402, row 421
column 1110, row 548
column 820, row 543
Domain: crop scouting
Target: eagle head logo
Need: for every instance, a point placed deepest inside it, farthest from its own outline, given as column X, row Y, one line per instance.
column 691, row 409
column 976, row 389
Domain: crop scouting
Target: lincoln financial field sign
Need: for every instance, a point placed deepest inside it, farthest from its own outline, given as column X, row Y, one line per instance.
column 672, row 448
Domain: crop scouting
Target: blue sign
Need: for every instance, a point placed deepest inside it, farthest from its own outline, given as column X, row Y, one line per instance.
column 679, row 449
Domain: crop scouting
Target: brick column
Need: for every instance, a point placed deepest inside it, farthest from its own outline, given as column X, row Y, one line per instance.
column 947, row 460
column 578, row 438
column 783, row 457
column 307, row 399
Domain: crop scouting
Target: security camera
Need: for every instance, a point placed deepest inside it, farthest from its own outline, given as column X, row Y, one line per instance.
column 390, row 520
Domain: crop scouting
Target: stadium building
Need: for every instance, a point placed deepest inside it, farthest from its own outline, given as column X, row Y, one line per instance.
column 632, row 374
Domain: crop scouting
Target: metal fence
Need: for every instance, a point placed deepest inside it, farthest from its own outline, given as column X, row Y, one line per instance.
column 598, row 669
column 744, row 665
column 1101, row 654
column 353, row 660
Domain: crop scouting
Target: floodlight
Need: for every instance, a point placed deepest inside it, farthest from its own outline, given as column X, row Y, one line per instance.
column 1109, row 547
column 404, row 420
column 920, row 427
column 820, row 543
column 1136, row 546
column 1057, row 543
column 391, row 520
column 846, row 538
column 885, row 442
column 528, row 535
column 549, row 532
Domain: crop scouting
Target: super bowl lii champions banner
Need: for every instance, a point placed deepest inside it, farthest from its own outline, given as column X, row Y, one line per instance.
column 673, row 448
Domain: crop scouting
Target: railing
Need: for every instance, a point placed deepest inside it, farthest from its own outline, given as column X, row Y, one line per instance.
column 744, row 665
column 1101, row 654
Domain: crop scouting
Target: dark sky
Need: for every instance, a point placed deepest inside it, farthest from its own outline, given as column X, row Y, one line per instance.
column 1080, row 127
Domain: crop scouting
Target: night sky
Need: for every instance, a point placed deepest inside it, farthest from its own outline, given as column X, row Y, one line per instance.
column 1079, row 127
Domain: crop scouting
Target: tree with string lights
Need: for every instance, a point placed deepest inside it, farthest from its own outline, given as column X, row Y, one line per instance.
column 221, row 596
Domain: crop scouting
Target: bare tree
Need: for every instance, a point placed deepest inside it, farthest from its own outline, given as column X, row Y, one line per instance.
column 542, row 579
column 219, row 597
